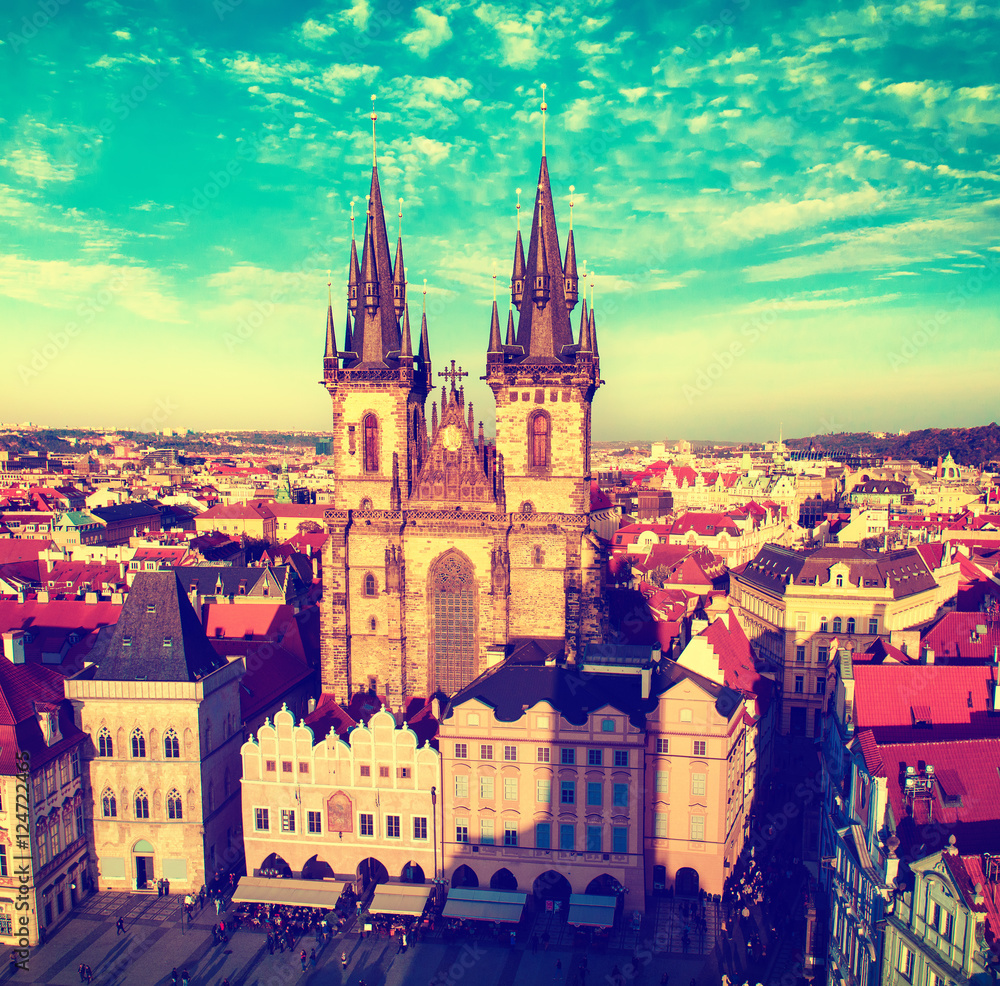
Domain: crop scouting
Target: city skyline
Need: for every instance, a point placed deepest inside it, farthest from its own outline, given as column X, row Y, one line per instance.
column 793, row 203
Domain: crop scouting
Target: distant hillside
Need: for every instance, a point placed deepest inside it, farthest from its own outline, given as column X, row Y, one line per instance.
column 968, row 446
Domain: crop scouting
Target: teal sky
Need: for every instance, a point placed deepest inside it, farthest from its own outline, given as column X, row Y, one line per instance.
column 792, row 210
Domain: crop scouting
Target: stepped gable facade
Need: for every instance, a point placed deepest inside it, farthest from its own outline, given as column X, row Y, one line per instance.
column 442, row 547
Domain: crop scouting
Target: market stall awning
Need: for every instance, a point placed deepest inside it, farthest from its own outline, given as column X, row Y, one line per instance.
column 592, row 911
column 484, row 905
column 400, row 898
column 295, row 893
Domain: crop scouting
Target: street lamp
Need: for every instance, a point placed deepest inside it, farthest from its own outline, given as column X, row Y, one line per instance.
column 434, row 824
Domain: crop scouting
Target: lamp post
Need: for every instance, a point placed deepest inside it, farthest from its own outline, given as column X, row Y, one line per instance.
column 434, row 824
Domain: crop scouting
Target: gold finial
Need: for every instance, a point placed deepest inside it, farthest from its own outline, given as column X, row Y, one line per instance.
column 518, row 209
column 583, row 267
column 352, row 220
column 494, row 282
column 425, row 295
column 400, row 218
column 572, row 189
column 545, row 106
column 591, row 290
column 329, row 287
column 374, row 118
column 368, row 205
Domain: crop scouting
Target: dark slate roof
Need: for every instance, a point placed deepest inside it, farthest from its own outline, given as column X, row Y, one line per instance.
column 512, row 686
column 774, row 567
column 126, row 511
column 205, row 578
column 156, row 610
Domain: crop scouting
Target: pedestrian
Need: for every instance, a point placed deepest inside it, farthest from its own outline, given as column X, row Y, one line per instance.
column 82, row 971
column 302, row 959
column 218, row 906
column 174, row 976
column 664, row 979
column 185, row 977
column 558, row 974
column 89, row 974
column 343, row 961
column 312, row 957
column 270, row 943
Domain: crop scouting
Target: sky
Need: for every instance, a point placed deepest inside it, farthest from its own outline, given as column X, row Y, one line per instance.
column 791, row 210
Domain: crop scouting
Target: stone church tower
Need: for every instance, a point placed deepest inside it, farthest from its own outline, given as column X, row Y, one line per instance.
column 444, row 548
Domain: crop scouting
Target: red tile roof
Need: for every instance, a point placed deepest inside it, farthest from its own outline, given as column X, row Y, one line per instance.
column 736, row 661
column 956, row 636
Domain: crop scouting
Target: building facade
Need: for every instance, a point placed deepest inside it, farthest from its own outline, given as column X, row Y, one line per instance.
column 436, row 538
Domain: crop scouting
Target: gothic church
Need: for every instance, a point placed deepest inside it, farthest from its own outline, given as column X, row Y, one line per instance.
column 443, row 548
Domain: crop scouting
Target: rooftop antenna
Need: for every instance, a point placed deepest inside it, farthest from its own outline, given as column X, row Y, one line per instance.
column 572, row 189
column 545, row 106
column 374, row 118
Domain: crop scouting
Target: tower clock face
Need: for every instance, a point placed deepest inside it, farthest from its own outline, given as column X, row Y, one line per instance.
column 451, row 438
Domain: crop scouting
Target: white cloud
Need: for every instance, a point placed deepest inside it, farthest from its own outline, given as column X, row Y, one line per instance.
column 357, row 14
column 519, row 35
column 123, row 34
column 806, row 301
column 433, row 32
column 313, row 31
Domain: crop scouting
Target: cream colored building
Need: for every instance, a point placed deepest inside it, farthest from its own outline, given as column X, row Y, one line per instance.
column 163, row 713
column 797, row 608
column 342, row 810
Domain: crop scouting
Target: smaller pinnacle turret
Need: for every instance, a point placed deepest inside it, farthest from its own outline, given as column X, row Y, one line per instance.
column 331, row 344
column 496, row 344
column 572, row 289
column 348, row 339
column 585, row 344
column 540, row 270
column 369, row 271
column 354, row 277
column 517, row 274
column 406, row 351
column 398, row 280
column 511, row 332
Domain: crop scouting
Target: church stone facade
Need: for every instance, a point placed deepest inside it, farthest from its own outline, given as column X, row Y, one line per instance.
column 444, row 548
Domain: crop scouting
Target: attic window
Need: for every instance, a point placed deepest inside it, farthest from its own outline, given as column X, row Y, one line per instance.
column 151, row 607
column 126, row 641
column 168, row 641
column 219, row 632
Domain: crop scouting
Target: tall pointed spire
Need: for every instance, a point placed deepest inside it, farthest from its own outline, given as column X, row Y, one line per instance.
column 540, row 264
column 424, row 352
column 570, row 276
column 511, row 336
column 331, row 343
column 406, row 347
column 517, row 275
column 398, row 273
column 496, row 344
column 585, row 344
column 354, row 275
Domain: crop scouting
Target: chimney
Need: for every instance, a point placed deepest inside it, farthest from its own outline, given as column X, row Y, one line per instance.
column 43, row 596
column 90, row 598
column 647, row 678
column 13, row 646
column 118, row 598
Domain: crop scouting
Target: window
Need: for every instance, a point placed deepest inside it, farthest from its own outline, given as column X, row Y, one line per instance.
column 537, row 556
column 543, row 835
column 168, row 642
column 453, row 599
column 823, row 654
column 510, row 753
column 837, row 624
column 486, row 789
column 799, row 684
column 261, row 821
column 392, row 826
column 461, row 785
column 800, row 654
column 138, row 744
column 171, row 745
column 850, row 624
column 141, row 804
column 698, row 784
column 109, row 807
column 607, row 725
column 364, row 769
column 543, row 792
column 904, row 963
column 686, row 715
column 461, row 751
column 663, row 782
column 593, row 838
column 824, row 626
column 366, row 823
column 821, row 686
column 74, row 763
column 621, row 758
column 567, row 755
column 383, row 772
column 800, row 621
column 365, row 504
column 840, row 584
column 105, row 746
column 595, row 794
column 287, row 819
column 272, row 765
column 63, row 771
column 700, row 748
column 567, row 793
column 660, row 824
column 3, row 866
column 510, row 833
column 567, row 836
column 420, row 828
column 619, row 838
column 461, row 830
column 697, row 828
column 369, row 584
column 175, row 807
column 79, row 820
column 663, row 746
column 486, row 751
column 286, row 766
column 402, row 773
column 510, row 789
column 370, row 426
column 595, row 758
column 543, row 754
column 486, row 831
column 538, row 440
column 873, row 624
column 619, row 796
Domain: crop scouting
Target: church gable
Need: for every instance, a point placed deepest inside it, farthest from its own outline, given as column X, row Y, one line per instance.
column 455, row 469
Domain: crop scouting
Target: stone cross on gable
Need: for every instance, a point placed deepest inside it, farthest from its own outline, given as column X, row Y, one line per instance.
column 453, row 374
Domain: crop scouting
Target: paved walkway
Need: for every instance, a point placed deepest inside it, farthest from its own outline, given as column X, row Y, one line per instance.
column 154, row 943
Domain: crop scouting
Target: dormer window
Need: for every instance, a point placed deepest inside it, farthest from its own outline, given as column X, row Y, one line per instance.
column 126, row 641
column 151, row 607
column 168, row 641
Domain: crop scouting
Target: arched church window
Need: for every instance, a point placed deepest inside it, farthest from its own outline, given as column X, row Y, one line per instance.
column 365, row 504
column 370, row 584
column 141, row 804
column 452, row 608
column 373, row 624
column 175, row 806
column 371, row 443
column 105, row 746
column 537, row 555
column 526, row 508
column 138, row 744
column 539, row 428
column 109, row 805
